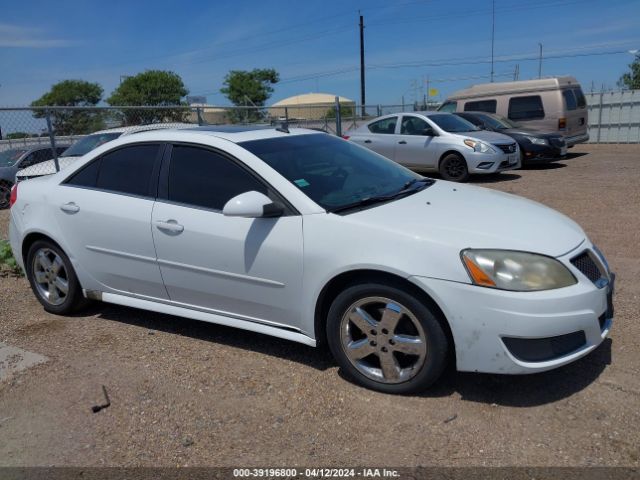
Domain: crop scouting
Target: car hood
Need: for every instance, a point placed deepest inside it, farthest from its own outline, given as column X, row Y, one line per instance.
column 46, row 168
column 487, row 136
column 465, row 216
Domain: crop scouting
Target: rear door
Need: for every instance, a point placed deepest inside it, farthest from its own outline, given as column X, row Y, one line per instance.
column 248, row 268
column 575, row 106
column 379, row 136
column 104, row 210
column 413, row 148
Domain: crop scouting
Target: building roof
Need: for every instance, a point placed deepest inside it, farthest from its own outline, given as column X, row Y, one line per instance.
column 311, row 99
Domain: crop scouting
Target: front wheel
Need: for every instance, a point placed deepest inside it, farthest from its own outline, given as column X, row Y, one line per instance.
column 5, row 194
column 454, row 168
column 53, row 279
column 385, row 339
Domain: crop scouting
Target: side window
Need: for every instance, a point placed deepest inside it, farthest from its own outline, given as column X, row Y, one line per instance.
column 448, row 107
column 204, row 178
column 386, row 125
column 125, row 170
column 581, row 100
column 526, row 108
column 29, row 160
column 412, row 125
column 481, row 106
column 569, row 99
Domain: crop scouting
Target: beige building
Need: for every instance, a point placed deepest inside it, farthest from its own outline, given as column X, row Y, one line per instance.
column 210, row 114
column 309, row 106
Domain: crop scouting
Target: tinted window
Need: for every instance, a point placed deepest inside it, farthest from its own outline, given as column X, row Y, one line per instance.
column 207, row 179
column 386, row 125
column 452, row 123
column 569, row 99
column 86, row 176
column 448, row 107
column 412, row 125
column 481, row 106
column 128, row 170
column 526, row 108
column 471, row 118
column 329, row 170
column 581, row 101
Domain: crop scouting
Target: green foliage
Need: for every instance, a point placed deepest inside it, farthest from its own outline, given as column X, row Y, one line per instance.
column 249, row 89
column 16, row 135
column 346, row 111
column 7, row 262
column 631, row 79
column 151, row 88
column 72, row 93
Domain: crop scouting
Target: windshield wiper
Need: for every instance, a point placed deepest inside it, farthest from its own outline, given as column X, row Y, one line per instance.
column 405, row 190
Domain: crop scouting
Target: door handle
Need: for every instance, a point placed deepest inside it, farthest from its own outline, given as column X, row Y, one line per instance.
column 170, row 226
column 70, row 207
column 367, row 141
column 402, row 142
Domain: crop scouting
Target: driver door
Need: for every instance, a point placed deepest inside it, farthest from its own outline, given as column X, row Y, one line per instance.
column 248, row 268
column 414, row 149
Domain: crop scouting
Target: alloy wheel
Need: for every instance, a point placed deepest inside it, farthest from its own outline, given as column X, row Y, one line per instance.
column 50, row 276
column 5, row 195
column 455, row 167
column 383, row 340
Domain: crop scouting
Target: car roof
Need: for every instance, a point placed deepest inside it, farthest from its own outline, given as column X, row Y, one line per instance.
column 143, row 128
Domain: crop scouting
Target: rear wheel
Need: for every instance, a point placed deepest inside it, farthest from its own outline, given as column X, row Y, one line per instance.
column 385, row 339
column 5, row 194
column 53, row 279
column 453, row 167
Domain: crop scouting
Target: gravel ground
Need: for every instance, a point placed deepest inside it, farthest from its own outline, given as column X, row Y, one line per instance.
column 190, row 393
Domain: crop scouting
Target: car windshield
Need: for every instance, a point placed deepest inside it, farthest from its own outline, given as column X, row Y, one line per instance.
column 8, row 158
column 88, row 143
column 452, row 123
column 499, row 123
column 331, row 171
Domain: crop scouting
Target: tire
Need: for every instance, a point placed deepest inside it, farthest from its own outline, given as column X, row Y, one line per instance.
column 404, row 348
column 50, row 272
column 5, row 194
column 453, row 167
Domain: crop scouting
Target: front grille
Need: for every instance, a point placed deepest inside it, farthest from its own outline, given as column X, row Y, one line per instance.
column 557, row 142
column 587, row 266
column 507, row 148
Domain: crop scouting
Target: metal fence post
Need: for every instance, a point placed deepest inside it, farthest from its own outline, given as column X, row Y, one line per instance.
column 52, row 139
column 338, row 118
column 199, row 113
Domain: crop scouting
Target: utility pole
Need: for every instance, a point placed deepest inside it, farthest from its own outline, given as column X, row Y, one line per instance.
column 426, row 101
column 493, row 32
column 362, row 93
column 540, row 62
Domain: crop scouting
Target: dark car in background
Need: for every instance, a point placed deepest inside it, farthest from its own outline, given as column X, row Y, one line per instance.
column 535, row 147
column 16, row 159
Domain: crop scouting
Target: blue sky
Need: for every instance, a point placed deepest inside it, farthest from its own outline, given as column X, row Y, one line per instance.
column 312, row 44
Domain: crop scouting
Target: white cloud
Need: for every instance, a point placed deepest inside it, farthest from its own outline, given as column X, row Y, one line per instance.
column 15, row 36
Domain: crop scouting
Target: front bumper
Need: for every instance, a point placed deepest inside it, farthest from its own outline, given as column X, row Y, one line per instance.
column 483, row 163
column 497, row 331
column 582, row 138
column 533, row 153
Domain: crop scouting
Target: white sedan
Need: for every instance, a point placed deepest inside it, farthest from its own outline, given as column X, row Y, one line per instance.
column 308, row 237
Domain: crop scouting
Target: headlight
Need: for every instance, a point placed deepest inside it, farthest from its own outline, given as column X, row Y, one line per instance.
column 537, row 141
column 516, row 271
column 479, row 146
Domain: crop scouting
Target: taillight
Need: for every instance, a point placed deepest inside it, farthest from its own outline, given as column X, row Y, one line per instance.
column 14, row 195
column 346, row 137
column 562, row 123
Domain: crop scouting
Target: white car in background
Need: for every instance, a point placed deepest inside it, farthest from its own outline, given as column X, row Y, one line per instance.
column 85, row 145
column 308, row 237
column 440, row 142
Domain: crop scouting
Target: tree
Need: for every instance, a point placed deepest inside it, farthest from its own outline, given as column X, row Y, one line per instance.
column 72, row 93
column 249, row 89
column 631, row 79
column 17, row 135
column 151, row 88
column 346, row 111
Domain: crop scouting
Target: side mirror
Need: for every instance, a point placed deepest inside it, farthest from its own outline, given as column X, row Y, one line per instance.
column 429, row 132
column 252, row 205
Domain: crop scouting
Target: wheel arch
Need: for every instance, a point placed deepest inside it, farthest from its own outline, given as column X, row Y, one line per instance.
column 33, row 237
column 353, row 277
column 449, row 152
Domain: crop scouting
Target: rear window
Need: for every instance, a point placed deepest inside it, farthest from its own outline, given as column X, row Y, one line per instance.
column 481, row 106
column 569, row 99
column 448, row 107
column 526, row 108
column 580, row 99
column 9, row 157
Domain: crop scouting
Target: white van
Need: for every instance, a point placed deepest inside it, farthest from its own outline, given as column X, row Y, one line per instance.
column 549, row 104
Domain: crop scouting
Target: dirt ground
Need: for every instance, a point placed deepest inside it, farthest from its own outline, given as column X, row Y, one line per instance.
column 190, row 393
